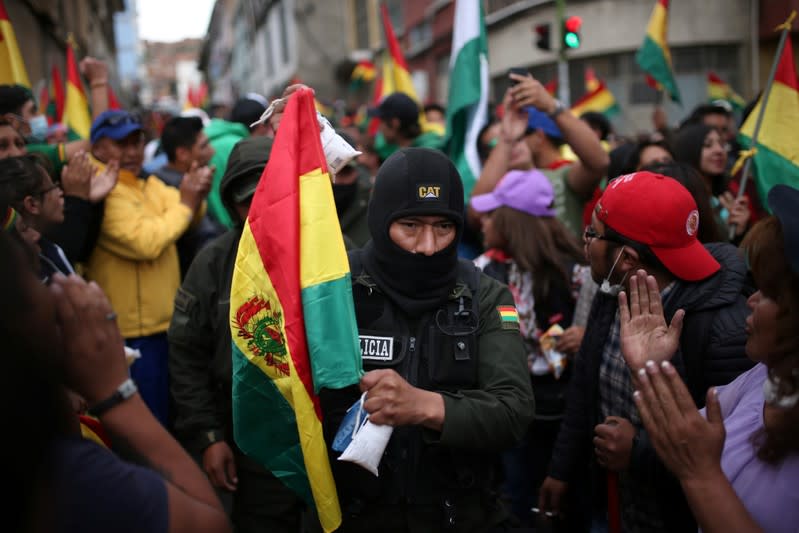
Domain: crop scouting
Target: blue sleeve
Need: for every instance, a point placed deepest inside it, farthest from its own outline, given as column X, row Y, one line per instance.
column 96, row 491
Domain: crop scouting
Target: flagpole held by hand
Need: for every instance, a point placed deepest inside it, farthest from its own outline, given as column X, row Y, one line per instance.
column 745, row 157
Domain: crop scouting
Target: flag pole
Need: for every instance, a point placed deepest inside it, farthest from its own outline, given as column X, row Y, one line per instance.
column 746, row 155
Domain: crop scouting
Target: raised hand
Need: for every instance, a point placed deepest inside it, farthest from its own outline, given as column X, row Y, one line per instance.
column 530, row 92
column 95, row 70
column 195, row 185
column 644, row 333
column 103, row 182
column 77, row 175
column 514, row 120
column 739, row 210
column 94, row 354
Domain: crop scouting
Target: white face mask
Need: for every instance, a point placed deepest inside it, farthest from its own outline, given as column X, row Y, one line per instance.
column 606, row 287
column 38, row 126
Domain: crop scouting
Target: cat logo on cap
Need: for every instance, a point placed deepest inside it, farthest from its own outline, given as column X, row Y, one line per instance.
column 428, row 192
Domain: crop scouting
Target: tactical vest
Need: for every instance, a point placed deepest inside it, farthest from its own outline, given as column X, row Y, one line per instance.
column 438, row 351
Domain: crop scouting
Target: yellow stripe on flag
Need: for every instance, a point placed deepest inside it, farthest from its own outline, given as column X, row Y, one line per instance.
column 656, row 30
column 323, row 256
column 12, row 67
column 778, row 129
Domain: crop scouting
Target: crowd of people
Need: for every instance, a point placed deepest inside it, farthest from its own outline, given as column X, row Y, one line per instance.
column 601, row 337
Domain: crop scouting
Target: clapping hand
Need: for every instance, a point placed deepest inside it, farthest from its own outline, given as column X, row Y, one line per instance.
column 687, row 443
column 644, row 333
column 103, row 182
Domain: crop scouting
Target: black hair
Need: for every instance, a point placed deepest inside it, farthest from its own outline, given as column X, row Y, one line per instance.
column 557, row 142
column 20, row 177
column 688, row 149
column 246, row 111
column 692, row 181
column 434, row 106
column 483, row 149
column 598, row 121
column 634, row 157
column 645, row 253
column 180, row 132
column 699, row 113
column 13, row 97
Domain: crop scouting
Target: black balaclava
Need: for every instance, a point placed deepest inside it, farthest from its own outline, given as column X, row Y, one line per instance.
column 344, row 195
column 421, row 182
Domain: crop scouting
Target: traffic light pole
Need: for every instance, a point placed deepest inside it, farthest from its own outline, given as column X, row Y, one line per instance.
column 563, row 62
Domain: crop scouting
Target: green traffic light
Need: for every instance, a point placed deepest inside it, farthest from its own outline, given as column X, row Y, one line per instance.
column 572, row 40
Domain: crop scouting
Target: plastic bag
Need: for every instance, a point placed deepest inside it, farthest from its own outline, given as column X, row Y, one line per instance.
column 365, row 442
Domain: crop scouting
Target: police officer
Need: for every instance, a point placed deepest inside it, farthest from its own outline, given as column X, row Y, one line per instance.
column 443, row 357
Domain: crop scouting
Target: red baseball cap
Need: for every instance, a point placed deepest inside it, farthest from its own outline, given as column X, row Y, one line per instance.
column 659, row 212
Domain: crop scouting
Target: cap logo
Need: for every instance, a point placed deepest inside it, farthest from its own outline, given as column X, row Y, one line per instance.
column 621, row 179
column 429, row 192
column 692, row 223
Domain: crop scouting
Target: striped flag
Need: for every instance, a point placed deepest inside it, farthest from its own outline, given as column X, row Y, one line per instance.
column 467, row 111
column 654, row 56
column 57, row 91
column 76, row 106
column 591, row 81
column 292, row 315
column 777, row 157
column 718, row 89
column 12, row 67
column 396, row 76
column 600, row 100
column 113, row 101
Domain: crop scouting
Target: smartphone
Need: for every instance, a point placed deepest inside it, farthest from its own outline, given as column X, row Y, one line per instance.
column 517, row 70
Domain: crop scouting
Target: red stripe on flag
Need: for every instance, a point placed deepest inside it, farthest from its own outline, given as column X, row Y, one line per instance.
column 58, row 93
column 73, row 74
column 664, row 3
column 275, row 222
column 391, row 40
column 786, row 70
column 712, row 77
column 3, row 12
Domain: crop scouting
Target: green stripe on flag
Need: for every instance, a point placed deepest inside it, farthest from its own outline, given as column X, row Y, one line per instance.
column 770, row 169
column 651, row 58
column 330, row 327
column 275, row 445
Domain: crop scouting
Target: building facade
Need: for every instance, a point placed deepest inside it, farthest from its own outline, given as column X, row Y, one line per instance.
column 42, row 28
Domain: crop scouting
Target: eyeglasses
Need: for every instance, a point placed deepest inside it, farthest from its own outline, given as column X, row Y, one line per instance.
column 590, row 233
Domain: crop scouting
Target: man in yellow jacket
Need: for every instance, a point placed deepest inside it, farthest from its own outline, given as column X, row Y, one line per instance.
column 135, row 260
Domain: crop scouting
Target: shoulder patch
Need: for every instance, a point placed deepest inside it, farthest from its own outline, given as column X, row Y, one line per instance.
column 184, row 300
column 508, row 316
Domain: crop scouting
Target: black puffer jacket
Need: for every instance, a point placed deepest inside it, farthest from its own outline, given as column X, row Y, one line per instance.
column 712, row 352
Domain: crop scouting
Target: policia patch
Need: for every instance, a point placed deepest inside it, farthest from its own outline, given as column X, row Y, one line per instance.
column 377, row 348
column 508, row 316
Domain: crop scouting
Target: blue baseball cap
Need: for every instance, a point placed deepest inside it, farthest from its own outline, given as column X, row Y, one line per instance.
column 538, row 120
column 114, row 124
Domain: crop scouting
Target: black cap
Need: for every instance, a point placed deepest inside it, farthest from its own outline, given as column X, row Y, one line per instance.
column 784, row 202
column 244, row 168
column 247, row 110
column 397, row 105
column 415, row 181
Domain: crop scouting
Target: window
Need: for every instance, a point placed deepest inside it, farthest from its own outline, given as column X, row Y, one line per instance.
column 420, row 37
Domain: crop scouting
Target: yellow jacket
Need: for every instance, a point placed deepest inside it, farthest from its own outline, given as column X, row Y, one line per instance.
column 135, row 260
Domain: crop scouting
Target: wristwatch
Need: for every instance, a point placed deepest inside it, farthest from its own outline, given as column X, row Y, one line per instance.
column 123, row 392
column 559, row 108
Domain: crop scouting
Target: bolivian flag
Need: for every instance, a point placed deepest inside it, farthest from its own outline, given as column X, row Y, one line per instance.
column 396, row 76
column 600, row 100
column 777, row 157
column 654, row 56
column 718, row 89
column 12, row 67
column 76, row 106
column 292, row 316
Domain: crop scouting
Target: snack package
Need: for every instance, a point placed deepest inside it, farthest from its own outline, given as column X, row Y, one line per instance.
column 338, row 152
column 556, row 361
column 360, row 441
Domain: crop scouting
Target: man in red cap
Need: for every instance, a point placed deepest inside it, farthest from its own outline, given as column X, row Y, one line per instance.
column 646, row 221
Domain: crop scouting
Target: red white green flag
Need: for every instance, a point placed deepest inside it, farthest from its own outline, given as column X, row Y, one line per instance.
column 292, row 315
